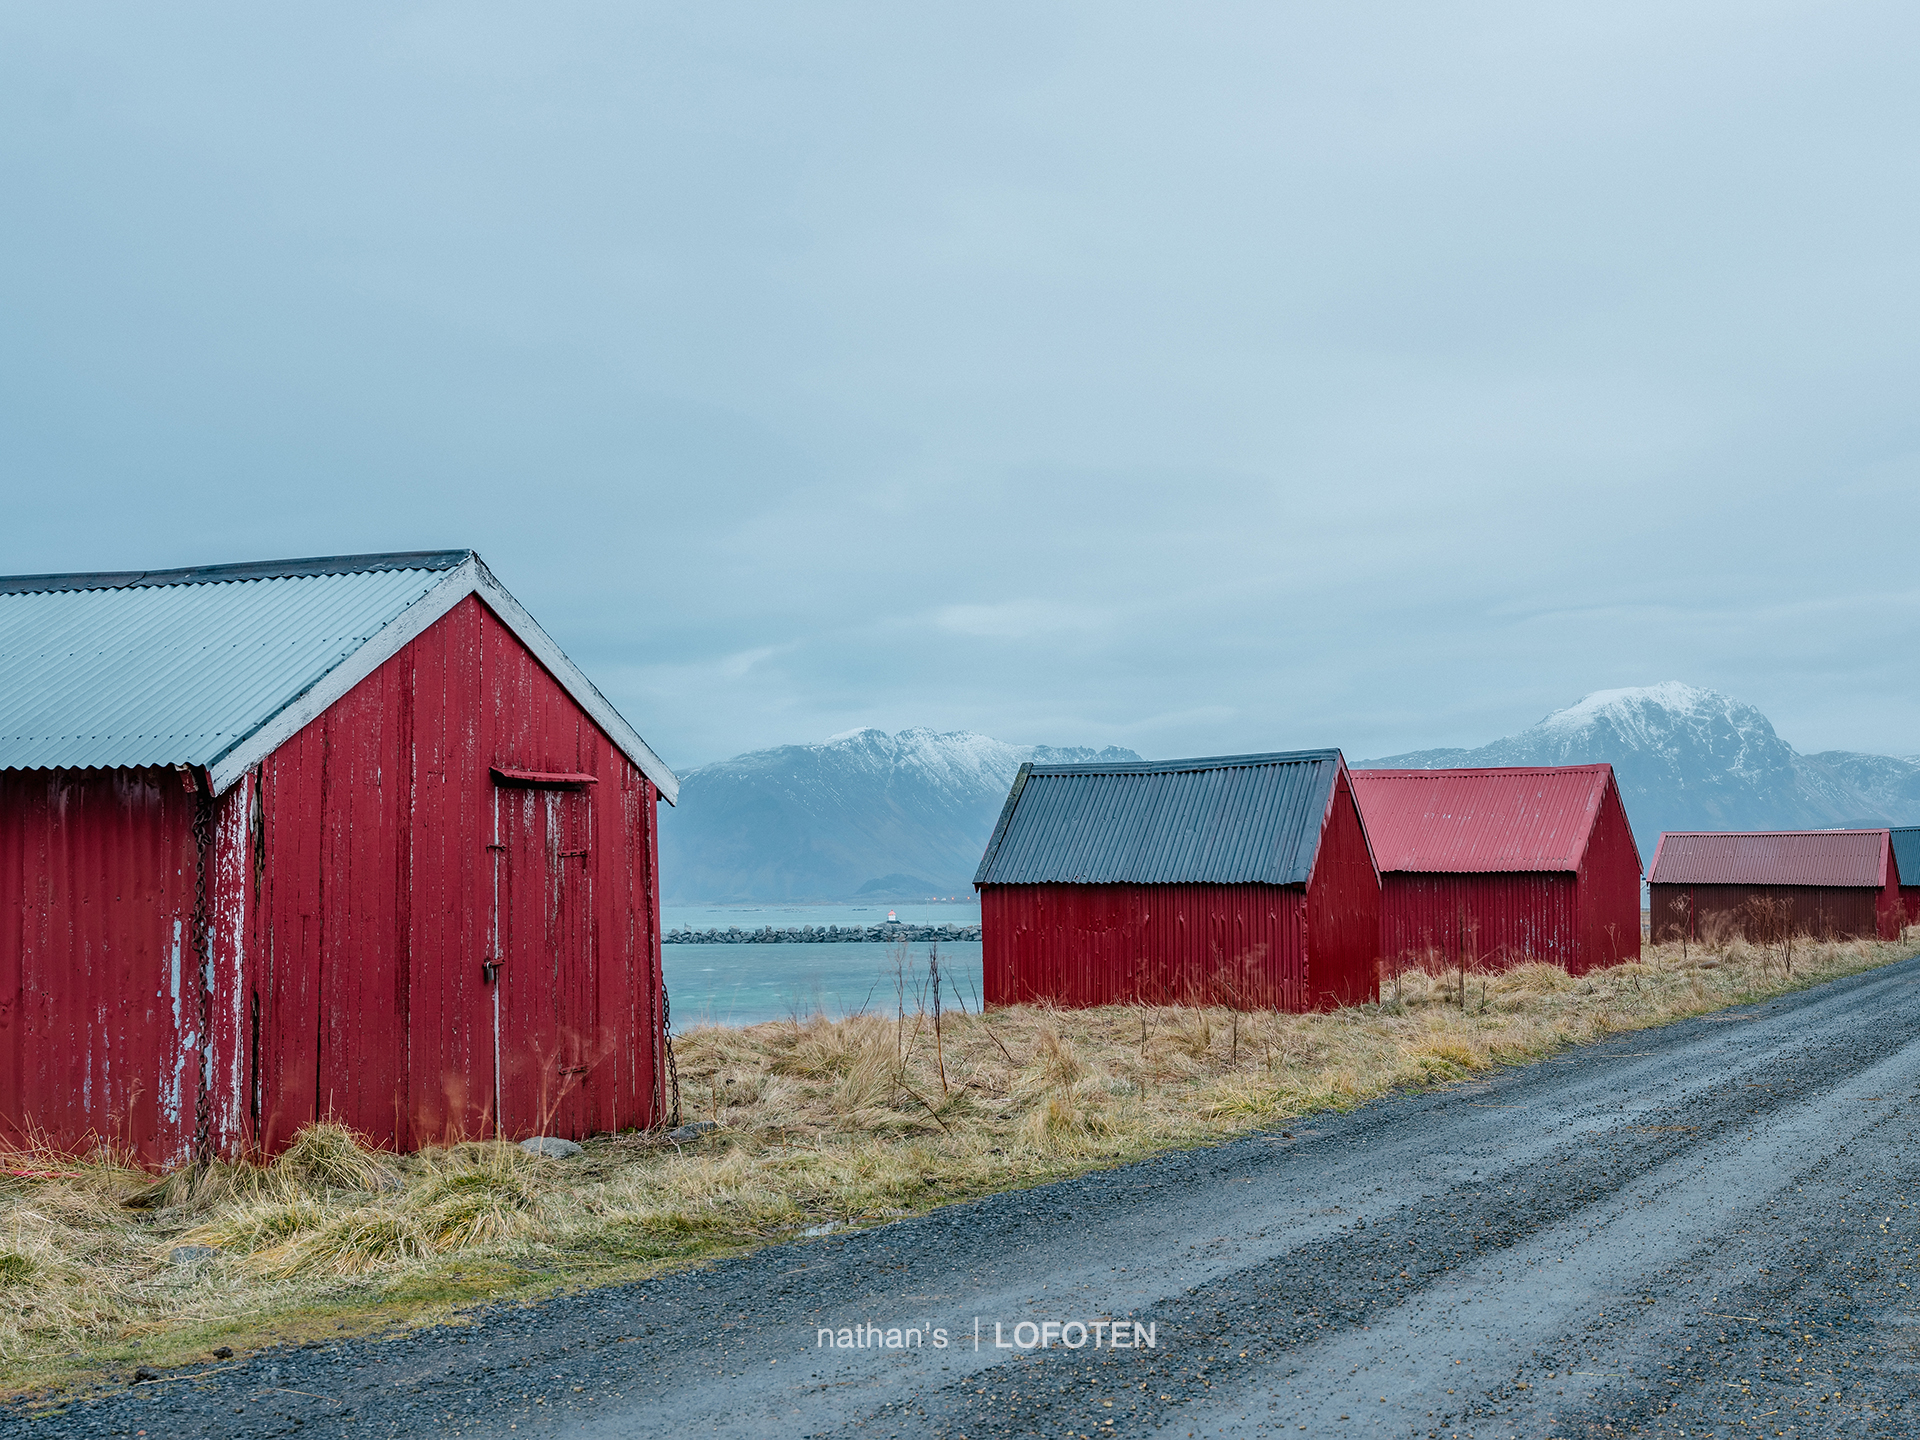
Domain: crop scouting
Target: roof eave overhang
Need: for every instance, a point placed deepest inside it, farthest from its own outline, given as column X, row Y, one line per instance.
column 470, row 577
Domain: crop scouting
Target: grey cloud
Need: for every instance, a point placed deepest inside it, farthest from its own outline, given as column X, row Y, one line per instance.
column 1195, row 381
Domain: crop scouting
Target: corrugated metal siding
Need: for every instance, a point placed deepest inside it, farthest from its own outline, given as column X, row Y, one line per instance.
column 1474, row 821
column 1241, row 945
column 1822, row 911
column 1493, row 921
column 1343, row 910
column 1906, row 858
column 1238, row 820
column 99, row 998
column 1577, row 915
column 1296, row 948
column 176, row 674
column 1772, row 857
column 1609, row 881
column 353, row 902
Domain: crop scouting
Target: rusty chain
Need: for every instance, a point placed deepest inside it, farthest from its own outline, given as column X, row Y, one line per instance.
column 666, row 1038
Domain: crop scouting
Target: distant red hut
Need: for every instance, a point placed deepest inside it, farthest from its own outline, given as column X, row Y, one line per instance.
column 1837, row 884
column 1906, row 859
column 1502, row 866
column 1244, row 881
column 341, row 839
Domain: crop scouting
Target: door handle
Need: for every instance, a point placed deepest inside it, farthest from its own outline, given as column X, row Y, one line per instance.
column 490, row 970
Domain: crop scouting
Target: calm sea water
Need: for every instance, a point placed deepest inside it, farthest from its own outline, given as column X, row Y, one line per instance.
column 745, row 984
column 781, row 917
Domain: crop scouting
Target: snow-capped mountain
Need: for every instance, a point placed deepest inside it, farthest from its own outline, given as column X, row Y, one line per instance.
column 900, row 816
column 1690, row 758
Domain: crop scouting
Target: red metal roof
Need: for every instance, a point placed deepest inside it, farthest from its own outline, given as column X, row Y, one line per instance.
column 1771, row 857
column 1475, row 821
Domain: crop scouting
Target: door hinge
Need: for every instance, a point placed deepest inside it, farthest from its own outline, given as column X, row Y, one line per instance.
column 575, row 1069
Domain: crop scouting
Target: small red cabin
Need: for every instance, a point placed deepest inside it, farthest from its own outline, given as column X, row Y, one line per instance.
column 320, row 839
column 1503, row 866
column 1244, row 881
column 1833, row 884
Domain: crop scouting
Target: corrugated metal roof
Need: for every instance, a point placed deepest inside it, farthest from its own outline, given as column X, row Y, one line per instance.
column 175, row 674
column 1237, row 819
column 1906, row 853
column 214, row 665
column 1771, row 857
column 1477, row 821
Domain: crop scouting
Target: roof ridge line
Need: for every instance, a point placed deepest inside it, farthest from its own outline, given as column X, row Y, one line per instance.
column 292, row 569
column 1413, row 770
column 1208, row 762
column 1834, row 830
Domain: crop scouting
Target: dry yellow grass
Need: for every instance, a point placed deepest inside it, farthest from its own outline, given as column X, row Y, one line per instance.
column 819, row 1123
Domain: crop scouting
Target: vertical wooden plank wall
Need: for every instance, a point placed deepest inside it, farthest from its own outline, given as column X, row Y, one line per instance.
column 449, row 1018
column 379, row 891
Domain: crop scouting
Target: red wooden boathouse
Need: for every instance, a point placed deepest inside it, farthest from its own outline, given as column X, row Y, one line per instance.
column 346, row 838
column 1244, row 881
column 1838, row 884
column 1504, row 865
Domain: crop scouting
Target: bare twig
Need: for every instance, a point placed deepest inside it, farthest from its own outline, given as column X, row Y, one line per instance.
column 930, row 1110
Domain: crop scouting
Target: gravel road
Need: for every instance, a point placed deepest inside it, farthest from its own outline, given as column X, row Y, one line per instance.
column 1701, row 1230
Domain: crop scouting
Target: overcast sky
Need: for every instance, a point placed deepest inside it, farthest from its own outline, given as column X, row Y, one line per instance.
column 1193, row 378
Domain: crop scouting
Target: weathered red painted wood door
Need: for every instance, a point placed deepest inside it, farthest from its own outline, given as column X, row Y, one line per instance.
column 544, row 960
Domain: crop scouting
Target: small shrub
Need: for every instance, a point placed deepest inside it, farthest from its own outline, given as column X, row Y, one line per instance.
column 326, row 1156
column 1057, row 1059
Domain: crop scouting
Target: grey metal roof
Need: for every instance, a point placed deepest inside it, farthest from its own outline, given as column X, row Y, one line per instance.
column 1906, row 853
column 1236, row 819
column 217, row 665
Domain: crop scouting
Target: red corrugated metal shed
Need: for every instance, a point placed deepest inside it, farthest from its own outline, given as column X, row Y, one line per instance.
column 1838, row 883
column 1501, row 866
column 429, row 911
column 1244, row 881
column 1906, row 859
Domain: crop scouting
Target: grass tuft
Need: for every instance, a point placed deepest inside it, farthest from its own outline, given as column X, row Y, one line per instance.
column 332, row 1157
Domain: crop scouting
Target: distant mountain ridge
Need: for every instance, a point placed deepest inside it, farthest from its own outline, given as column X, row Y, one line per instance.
column 906, row 816
column 1689, row 758
column 886, row 817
